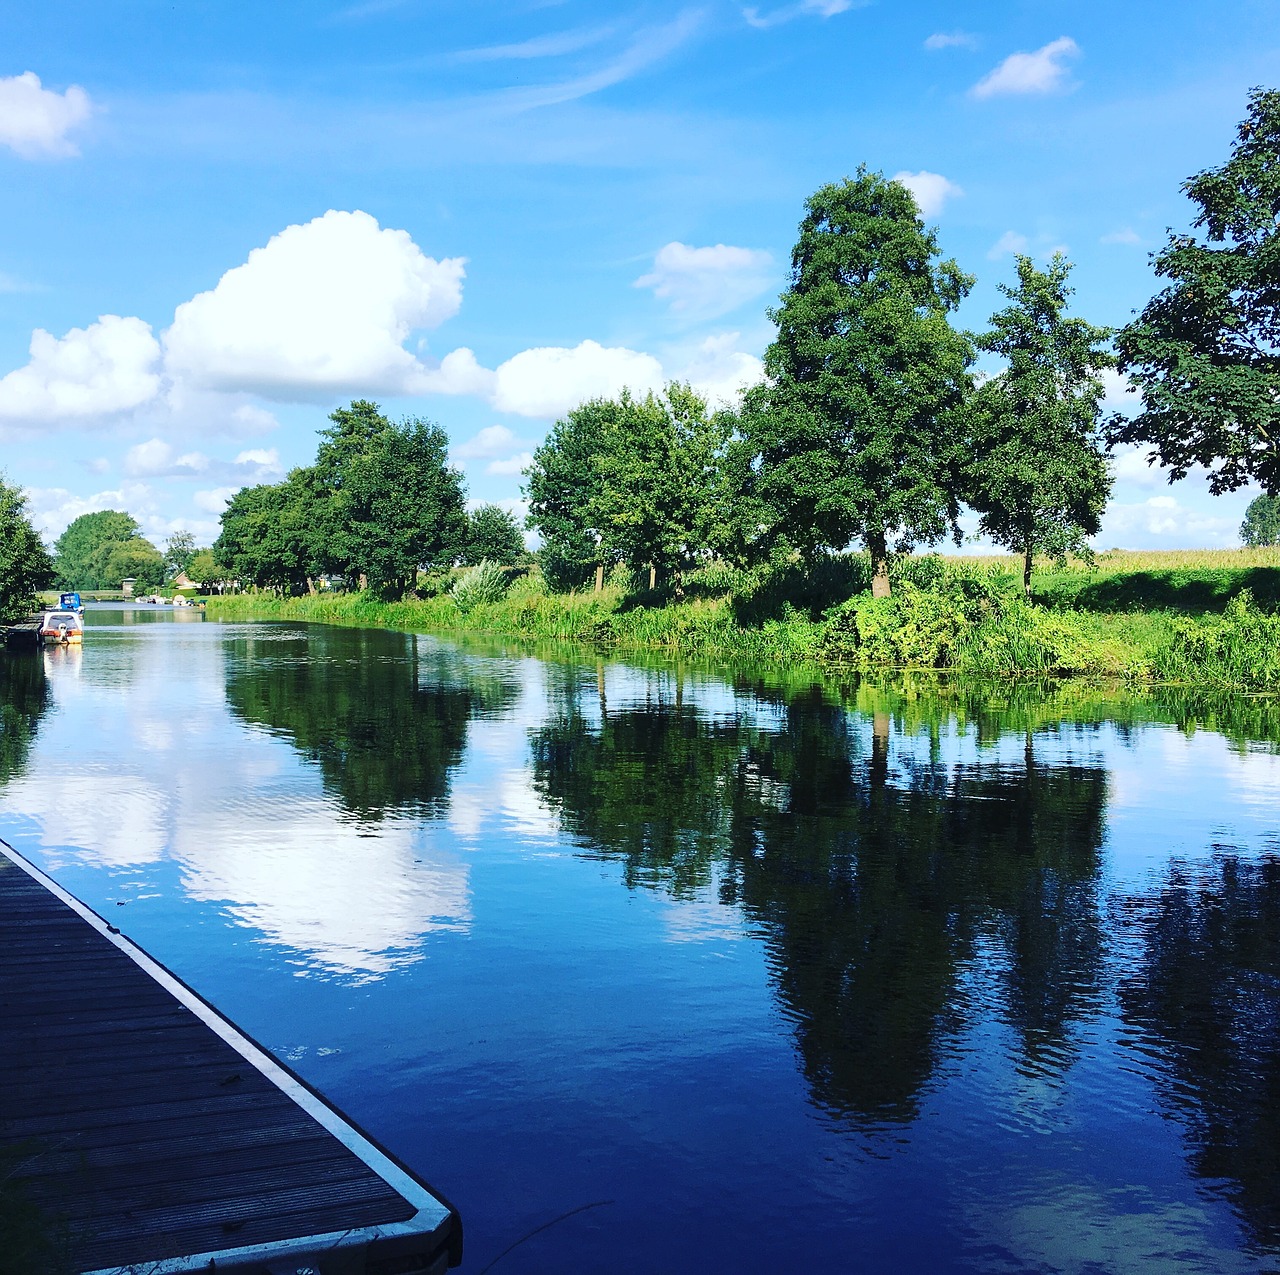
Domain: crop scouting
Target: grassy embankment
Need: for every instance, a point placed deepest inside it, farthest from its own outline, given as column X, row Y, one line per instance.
column 1207, row 617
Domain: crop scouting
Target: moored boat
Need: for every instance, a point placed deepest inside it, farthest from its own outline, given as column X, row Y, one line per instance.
column 61, row 626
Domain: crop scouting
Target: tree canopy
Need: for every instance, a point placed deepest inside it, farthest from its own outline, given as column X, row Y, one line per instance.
column 101, row 549
column 179, row 549
column 25, row 565
column 1261, row 524
column 853, row 433
column 493, row 535
column 1205, row 352
column 1038, row 472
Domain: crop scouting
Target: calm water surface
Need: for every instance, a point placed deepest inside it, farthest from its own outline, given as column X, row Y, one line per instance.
column 796, row 977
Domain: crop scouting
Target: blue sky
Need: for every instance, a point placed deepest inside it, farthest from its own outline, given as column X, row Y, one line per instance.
column 222, row 220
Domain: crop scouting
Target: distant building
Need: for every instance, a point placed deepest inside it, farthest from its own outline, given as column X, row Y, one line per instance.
column 126, row 586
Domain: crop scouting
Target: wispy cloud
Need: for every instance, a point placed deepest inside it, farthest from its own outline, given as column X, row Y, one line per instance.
column 1125, row 235
column 554, row 45
column 951, row 40
column 1040, row 72
column 1009, row 242
column 803, row 9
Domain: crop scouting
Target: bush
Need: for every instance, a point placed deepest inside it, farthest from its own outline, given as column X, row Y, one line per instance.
column 1240, row 648
column 482, row 584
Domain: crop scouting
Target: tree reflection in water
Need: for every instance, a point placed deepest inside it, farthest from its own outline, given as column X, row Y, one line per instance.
column 870, row 883
column 24, row 700
column 1208, row 990
column 383, row 715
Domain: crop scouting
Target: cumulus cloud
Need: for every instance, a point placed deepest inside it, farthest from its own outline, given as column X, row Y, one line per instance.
column 324, row 308
column 457, row 373
column 493, row 440
column 951, row 40
column 550, row 380
column 109, row 367
column 35, row 121
column 53, row 509
column 931, row 190
column 510, row 465
column 1165, row 522
column 704, row 282
column 213, row 501
column 1040, row 72
column 157, row 458
column 1009, row 242
column 716, row 368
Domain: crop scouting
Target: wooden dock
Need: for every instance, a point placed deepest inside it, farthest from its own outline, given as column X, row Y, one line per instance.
column 158, row 1138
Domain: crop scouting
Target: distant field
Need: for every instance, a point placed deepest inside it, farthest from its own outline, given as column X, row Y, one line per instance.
column 1117, row 561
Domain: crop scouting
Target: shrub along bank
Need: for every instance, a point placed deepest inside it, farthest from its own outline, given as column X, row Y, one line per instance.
column 968, row 618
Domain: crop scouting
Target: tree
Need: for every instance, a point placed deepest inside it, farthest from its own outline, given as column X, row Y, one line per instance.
column 1205, row 352
column 179, row 549
column 854, row 431
column 1038, row 474
column 395, row 504
column 1261, row 524
column 82, row 552
column 204, row 568
column 656, row 492
column 134, row 559
column 25, row 565
column 561, row 484
column 272, row 534
column 493, row 535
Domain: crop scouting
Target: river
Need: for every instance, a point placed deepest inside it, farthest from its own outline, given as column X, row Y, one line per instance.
column 775, row 974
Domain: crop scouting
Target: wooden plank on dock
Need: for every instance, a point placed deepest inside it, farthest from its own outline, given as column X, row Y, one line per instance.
column 163, row 1138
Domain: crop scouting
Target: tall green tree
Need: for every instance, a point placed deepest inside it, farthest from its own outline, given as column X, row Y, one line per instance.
column 561, row 484
column 179, row 549
column 656, row 495
column 1261, row 524
column 493, row 535
column 1038, row 472
column 25, row 565
column 272, row 534
column 1205, row 352
column 396, row 503
column 854, row 431
column 99, row 550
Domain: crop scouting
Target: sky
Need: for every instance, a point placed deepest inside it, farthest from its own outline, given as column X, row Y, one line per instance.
column 221, row 220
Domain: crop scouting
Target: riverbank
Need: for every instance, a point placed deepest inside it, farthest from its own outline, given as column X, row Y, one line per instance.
column 965, row 619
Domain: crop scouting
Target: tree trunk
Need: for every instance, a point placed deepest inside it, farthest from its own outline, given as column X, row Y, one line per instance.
column 364, row 582
column 311, row 586
column 653, row 576
column 879, row 564
column 599, row 577
column 1026, row 571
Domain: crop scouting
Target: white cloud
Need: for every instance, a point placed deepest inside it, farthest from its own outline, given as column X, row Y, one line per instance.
column 109, row 367
column 158, row 459
column 1125, row 235
column 511, row 465
column 457, row 373
column 1131, row 468
column 1163, row 521
column 35, row 121
column 717, row 369
column 1040, row 72
column 1009, row 242
column 706, row 282
column 805, row 8
column 931, row 190
column 550, row 380
column 323, row 308
column 951, row 40
column 493, row 440
column 53, row 509
column 215, row 500
column 1118, row 394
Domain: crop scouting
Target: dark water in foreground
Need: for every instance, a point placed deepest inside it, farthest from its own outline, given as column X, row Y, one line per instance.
column 796, row 978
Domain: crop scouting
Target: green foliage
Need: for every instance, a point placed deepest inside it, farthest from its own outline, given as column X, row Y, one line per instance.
column 480, row 585
column 629, row 480
column 1194, row 592
column 1037, row 473
column 1203, row 352
column 273, row 535
column 855, row 431
column 99, row 550
column 25, row 565
column 179, row 549
column 204, row 568
column 1261, row 524
column 493, row 535
column 1239, row 648
column 394, row 503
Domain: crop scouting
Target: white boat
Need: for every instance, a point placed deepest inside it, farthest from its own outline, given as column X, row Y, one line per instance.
column 61, row 626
